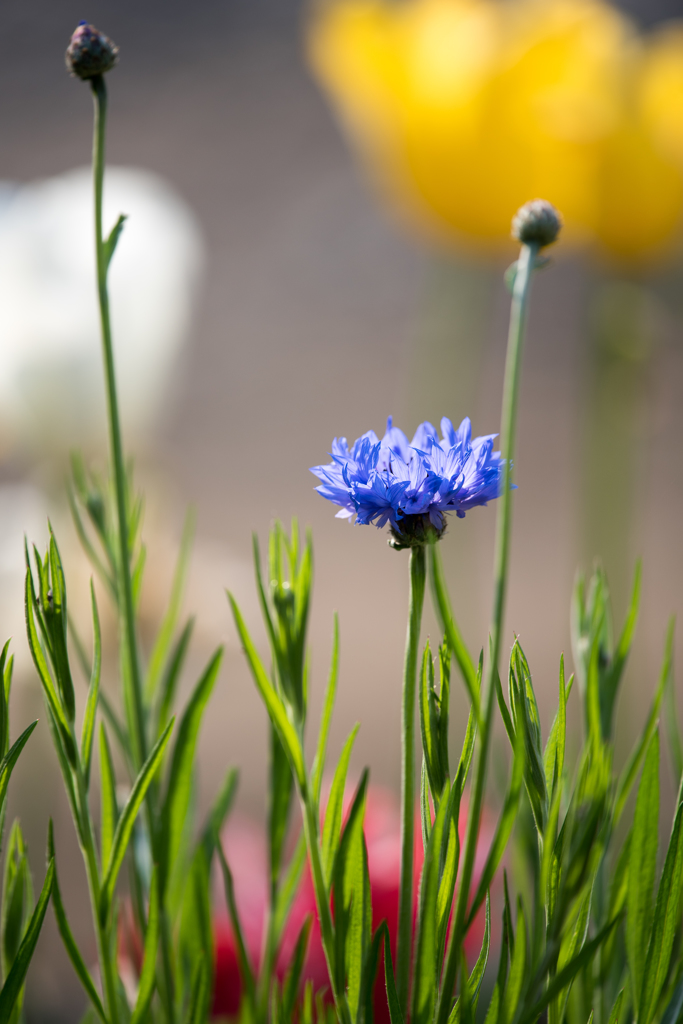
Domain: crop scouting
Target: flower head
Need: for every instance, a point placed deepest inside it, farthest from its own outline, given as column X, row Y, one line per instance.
column 411, row 485
column 90, row 52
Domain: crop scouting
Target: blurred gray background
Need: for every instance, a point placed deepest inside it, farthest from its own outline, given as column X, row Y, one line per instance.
column 317, row 317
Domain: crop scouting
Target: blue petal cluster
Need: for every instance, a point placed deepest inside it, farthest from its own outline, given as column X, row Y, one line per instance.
column 397, row 482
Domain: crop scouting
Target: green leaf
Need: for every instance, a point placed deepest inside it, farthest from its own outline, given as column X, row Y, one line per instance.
column 246, row 970
column 290, row 989
column 564, row 977
column 616, row 1009
column 553, row 757
column 88, row 730
column 516, row 978
column 179, row 789
column 673, row 1010
column 280, row 792
column 642, row 866
column 17, row 975
column 449, row 857
column 666, row 919
column 632, row 766
column 503, row 829
column 67, row 936
column 326, row 717
column 274, row 706
column 109, row 809
column 5, row 684
column 366, row 1001
column 17, row 896
column 352, row 906
column 148, row 973
column 9, row 761
column 169, row 684
column 54, row 703
column 395, row 1012
column 162, row 645
column 335, row 803
column 448, row 625
column 111, row 241
column 477, row 975
column 427, row 958
column 126, row 822
column 219, row 812
column 196, row 1013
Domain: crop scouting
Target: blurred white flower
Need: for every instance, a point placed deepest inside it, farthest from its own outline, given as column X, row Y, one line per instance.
column 51, row 383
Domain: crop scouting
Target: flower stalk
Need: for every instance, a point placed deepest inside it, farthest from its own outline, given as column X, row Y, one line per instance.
column 405, row 909
column 103, row 252
column 520, row 297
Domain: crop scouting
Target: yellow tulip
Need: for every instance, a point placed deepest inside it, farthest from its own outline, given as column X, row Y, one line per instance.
column 465, row 109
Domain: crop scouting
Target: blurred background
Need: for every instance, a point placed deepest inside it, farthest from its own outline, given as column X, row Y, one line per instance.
column 319, row 204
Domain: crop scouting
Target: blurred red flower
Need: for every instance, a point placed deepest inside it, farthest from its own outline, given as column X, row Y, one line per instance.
column 245, row 847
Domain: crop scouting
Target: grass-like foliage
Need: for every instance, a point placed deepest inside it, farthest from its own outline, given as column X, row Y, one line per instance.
column 591, row 917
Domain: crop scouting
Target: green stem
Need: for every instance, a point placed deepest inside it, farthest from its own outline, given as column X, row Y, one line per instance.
column 513, row 366
column 131, row 668
column 323, row 903
column 405, row 907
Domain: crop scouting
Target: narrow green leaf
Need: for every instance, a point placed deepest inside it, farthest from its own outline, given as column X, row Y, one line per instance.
column 448, row 860
column 632, row 766
column 126, row 822
column 169, row 684
column 395, row 1012
column 503, row 829
column 290, row 989
column 9, row 761
column 425, row 812
column 553, row 757
column 179, row 789
column 427, row 965
column 352, row 904
column 274, row 705
column 112, row 239
column 246, row 970
column 477, row 975
column 162, row 644
column 564, row 977
column 616, row 1009
column 448, row 626
column 200, row 991
column 665, row 923
column 642, row 866
column 109, row 810
column 219, row 812
column 516, row 978
column 17, row 975
column 673, row 1010
column 366, row 1002
column 326, row 717
column 67, row 936
column 148, row 973
column 41, row 665
column 335, row 803
column 88, row 730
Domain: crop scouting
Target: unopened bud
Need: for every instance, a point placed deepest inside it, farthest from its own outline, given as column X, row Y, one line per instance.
column 90, row 52
column 536, row 223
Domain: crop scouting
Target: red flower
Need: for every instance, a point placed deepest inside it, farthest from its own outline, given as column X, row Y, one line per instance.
column 245, row 848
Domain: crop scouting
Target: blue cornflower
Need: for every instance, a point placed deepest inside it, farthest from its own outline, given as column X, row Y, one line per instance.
column 411, row 486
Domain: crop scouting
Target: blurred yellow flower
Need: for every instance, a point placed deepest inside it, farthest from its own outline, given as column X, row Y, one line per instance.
column 465, row 109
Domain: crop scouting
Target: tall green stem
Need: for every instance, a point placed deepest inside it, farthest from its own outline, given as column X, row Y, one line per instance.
column 131, row 667
column 405, row 906
column 513, row 365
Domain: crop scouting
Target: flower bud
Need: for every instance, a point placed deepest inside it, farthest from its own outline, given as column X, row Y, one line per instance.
column 90, row 52
column 536, row 223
